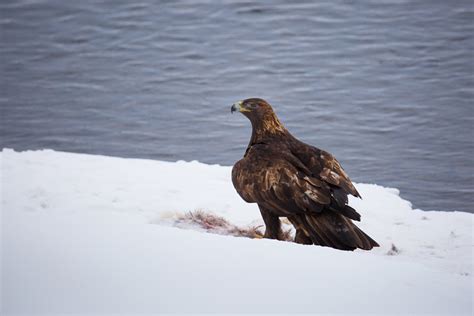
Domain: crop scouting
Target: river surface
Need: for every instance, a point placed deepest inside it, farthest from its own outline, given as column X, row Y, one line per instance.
column 386, row 86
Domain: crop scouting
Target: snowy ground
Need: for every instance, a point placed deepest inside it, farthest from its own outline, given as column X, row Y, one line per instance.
column 94, row 235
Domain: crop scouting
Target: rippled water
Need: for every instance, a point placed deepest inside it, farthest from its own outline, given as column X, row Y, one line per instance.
column 387, row 86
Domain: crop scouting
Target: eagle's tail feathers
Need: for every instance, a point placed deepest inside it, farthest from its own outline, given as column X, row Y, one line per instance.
column 333, row 230
column 347, row 211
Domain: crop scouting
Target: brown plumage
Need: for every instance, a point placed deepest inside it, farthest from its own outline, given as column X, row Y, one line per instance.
column 288, row 178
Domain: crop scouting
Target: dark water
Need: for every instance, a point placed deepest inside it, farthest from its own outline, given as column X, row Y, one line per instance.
column 386, row 86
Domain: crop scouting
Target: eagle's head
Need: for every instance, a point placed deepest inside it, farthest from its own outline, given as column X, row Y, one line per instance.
column 260, row 113
column 253, row 107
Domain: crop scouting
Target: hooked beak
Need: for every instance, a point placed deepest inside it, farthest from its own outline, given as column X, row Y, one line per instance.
column 237, row 106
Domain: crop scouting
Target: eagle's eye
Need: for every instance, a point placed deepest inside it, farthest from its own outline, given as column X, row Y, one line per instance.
column 252, row 105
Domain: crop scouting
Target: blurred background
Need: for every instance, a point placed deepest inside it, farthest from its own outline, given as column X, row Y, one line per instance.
column 386, row 86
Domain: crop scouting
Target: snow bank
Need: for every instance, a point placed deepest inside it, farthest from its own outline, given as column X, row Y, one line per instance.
column 93, row 235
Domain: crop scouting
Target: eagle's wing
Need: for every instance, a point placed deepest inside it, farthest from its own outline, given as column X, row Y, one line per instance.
column 333, row 173
column 324, row 166
column 279, row 181
column 294, row 179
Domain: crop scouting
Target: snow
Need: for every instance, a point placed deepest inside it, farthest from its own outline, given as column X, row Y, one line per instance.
column 94, row 235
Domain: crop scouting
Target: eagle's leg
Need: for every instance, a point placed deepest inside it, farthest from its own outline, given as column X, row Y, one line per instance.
column 302, row 238
column 272, row 224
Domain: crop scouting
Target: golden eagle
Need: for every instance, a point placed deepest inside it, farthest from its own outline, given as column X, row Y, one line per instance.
column 288, row 178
